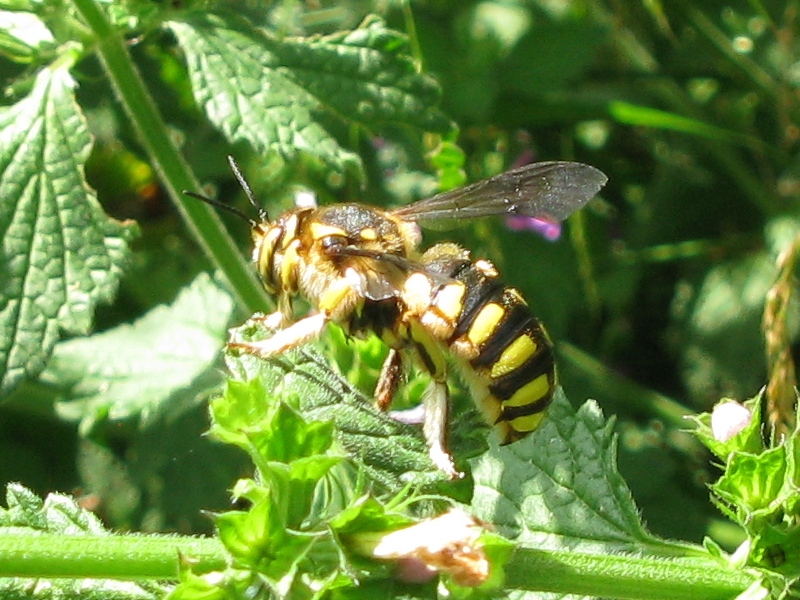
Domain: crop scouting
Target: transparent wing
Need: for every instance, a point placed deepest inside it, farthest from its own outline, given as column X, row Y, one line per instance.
column 547, row 190
column 381, row 276
column 376, row 276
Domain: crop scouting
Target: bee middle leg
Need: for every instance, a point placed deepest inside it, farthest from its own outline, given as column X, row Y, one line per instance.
column 389, row 380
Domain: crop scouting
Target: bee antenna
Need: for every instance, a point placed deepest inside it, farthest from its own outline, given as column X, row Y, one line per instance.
column 221, row 205
column 248, row 191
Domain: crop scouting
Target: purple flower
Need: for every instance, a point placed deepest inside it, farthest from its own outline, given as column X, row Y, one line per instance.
column 549, row 230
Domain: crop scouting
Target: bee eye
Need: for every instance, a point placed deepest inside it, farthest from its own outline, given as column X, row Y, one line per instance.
column 330, row 242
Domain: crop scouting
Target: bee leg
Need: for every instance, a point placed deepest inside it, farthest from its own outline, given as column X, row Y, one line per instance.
column 281, row 317
column 298, row 333
column 436, row 399
column 274, row 320
column 301, row 331
column 389, row 381
column 437, row 404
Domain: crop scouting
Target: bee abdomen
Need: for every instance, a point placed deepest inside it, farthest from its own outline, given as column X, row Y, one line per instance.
column 506, row 355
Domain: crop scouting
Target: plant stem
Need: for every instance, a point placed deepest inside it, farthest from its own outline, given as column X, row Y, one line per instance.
column 202, row 220
column 619, row 576
column 106, row 557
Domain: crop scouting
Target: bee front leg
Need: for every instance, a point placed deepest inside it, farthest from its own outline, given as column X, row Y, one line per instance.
column 281, row 317
column 331, row 300
column 274, row 320
column 298, row 333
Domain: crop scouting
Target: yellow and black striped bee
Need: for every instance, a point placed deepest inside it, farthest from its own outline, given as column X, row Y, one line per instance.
column 359, row 267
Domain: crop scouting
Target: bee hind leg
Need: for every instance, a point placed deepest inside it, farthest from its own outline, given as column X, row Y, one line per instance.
column 297, row 333
column 436, row 402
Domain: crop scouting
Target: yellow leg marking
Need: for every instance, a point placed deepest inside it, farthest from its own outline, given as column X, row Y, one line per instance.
column 485, row 323
column 530, row 392
column 433, row 359
column 334, row 295
column 368, row 234
column 264, row 251
column 520, row 350
column 294, row 335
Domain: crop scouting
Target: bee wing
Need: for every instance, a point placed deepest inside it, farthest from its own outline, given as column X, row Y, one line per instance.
column 381, row 276
column 548, row 190
column 377, row 276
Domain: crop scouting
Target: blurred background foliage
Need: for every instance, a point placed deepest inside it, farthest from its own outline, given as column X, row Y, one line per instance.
column 654, row 294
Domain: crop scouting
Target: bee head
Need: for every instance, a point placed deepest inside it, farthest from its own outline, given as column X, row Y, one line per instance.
column 272, row 245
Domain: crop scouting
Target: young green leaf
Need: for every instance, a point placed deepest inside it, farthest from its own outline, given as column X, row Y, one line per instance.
column 60, row 254
column 277, row 94
column 752, row 485
column 759, row 489
column 248, row 416
column 137, row 369
column 391, row 452
column 258, row 540
column 777, row 548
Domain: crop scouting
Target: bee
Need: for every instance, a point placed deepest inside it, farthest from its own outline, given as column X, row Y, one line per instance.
column 360, row 267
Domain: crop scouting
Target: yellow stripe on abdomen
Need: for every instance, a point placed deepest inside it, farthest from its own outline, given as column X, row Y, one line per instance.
column 526, row 424
column 530, row 393
column 485, row 323
column 513, row 357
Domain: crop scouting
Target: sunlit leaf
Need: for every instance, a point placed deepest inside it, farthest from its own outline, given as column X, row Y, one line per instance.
column 60, row 254
column 148, row 368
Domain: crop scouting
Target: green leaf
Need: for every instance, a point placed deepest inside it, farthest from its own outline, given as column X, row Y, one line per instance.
column 257, row 540
column 57, row 514
column 725, row 348
column 232, row 584
column 277, row 94
column 563, row 51
column 752, row 483
column 27, row 514
column 367, row 514
column 645, row 116
column 248, row 416
column 23, row 36
column 559, row 488
column 60, row 254
column 157, row 365
column 777, row 548
column 391, row 452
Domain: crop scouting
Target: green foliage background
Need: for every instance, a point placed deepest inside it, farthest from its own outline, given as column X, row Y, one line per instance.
column 653, row 296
